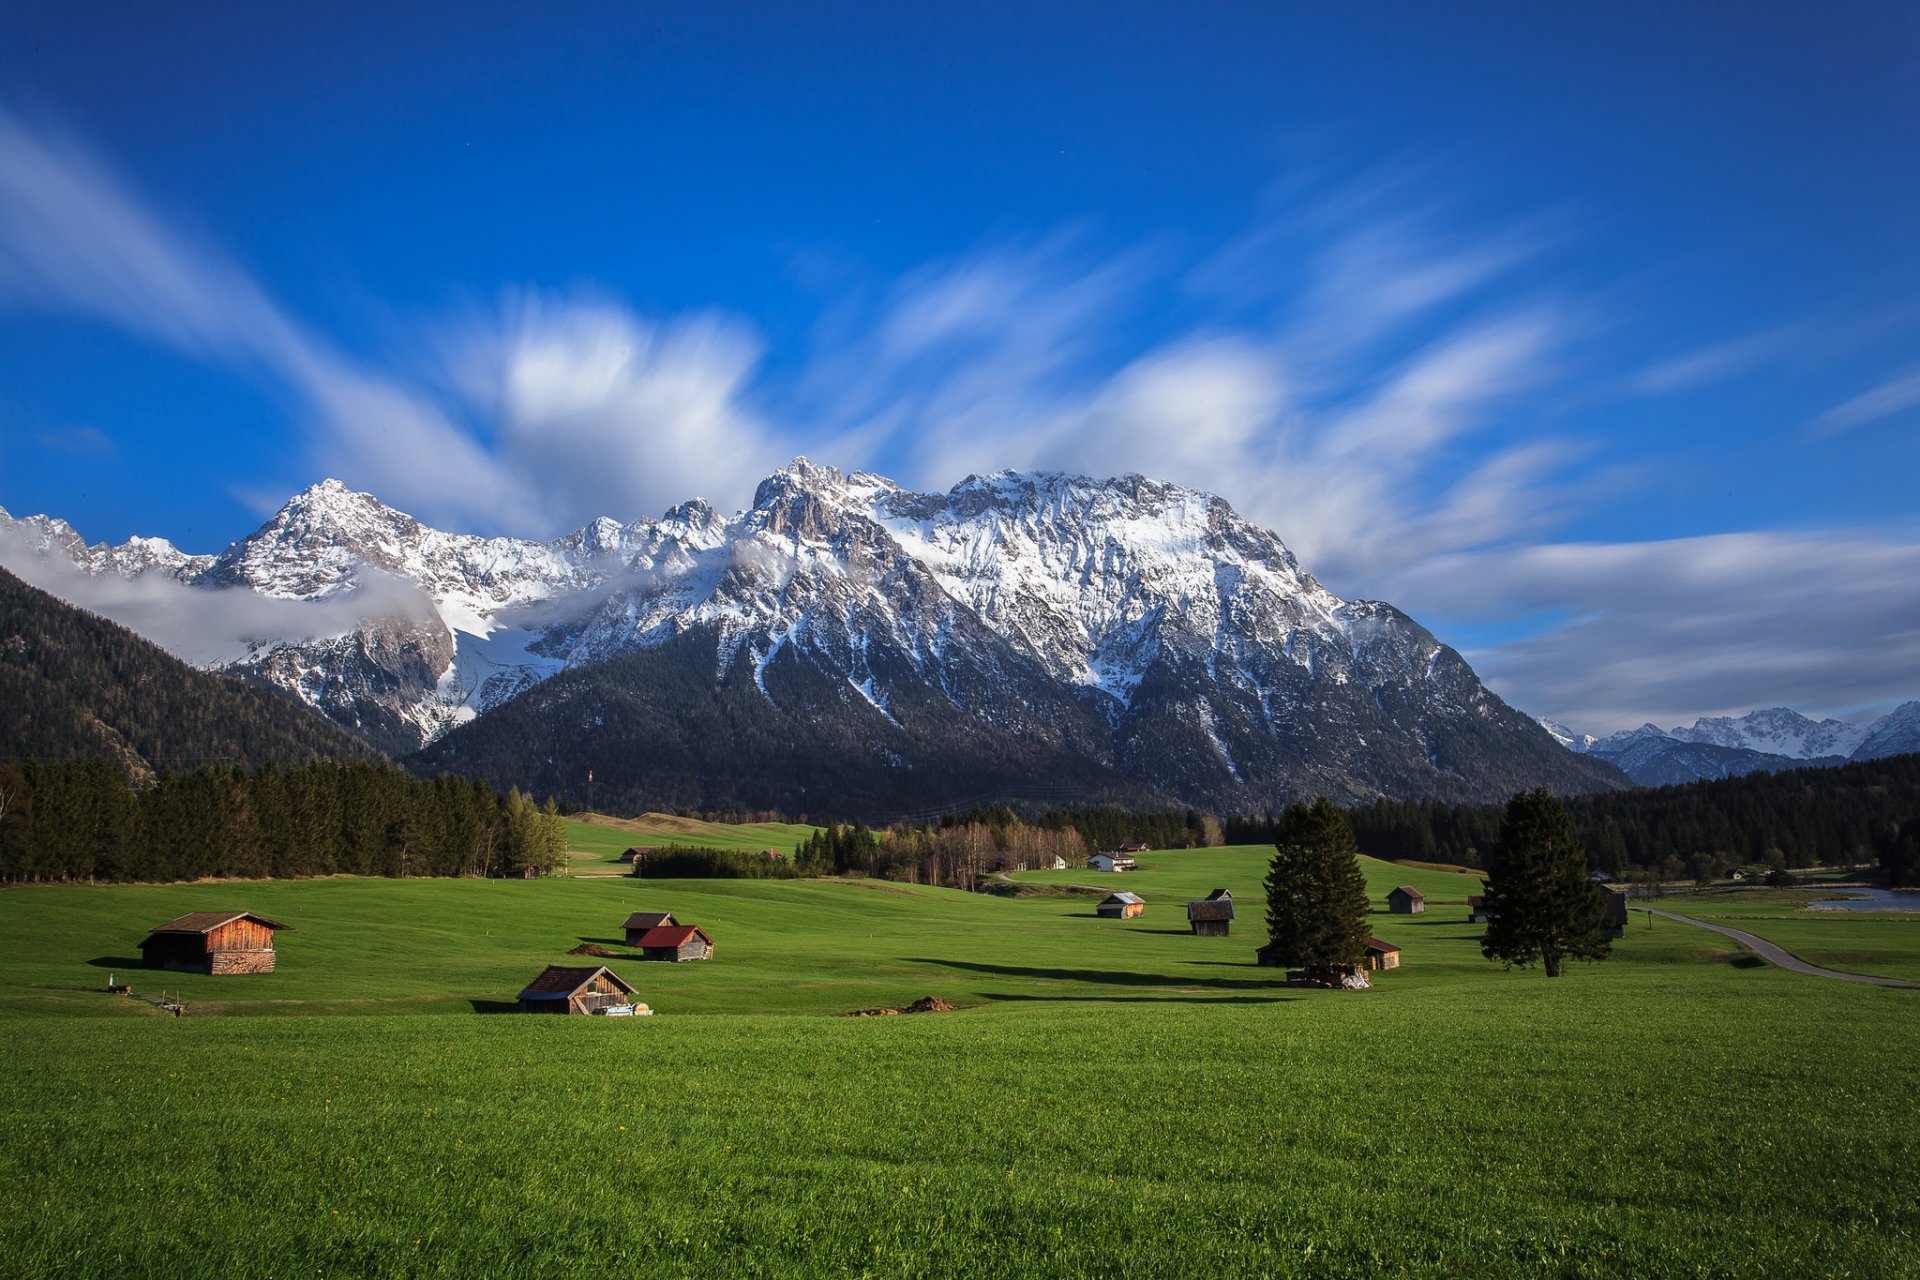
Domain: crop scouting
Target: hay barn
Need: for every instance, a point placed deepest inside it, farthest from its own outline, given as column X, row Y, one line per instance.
column 1381, row 955
column 1212, row 916
column 676, row 942
column 566, row 989
column 641, row 922
column 1120, row 906
column 1406, row 901
column 221, row 942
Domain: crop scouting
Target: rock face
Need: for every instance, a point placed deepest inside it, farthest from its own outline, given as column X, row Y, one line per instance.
column 1037, row 633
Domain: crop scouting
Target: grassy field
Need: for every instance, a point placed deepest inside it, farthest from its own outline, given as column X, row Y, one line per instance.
column 1112, row 1098
column 595, row 841
column 1883, row 943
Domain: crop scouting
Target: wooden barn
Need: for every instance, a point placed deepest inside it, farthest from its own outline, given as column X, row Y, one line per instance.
column 636, row 853
column 1111, row 862
column 1616, row 913
column 676, row 942
column 1120, row 906
column 1406, row 901
column 1212, row 916
column 1476, row 909
column 1381, row 955
column 212, row 942
column 640, row 922
column 566, row 989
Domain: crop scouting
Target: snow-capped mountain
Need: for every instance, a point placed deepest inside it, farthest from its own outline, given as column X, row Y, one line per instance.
column 1768, row 740
column 1122, row 629
column 1777, row 731
column 1895, row 734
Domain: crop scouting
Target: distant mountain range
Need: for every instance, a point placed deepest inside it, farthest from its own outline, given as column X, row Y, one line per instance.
column 1768, row 740
column 73, row 685
column 846, row 645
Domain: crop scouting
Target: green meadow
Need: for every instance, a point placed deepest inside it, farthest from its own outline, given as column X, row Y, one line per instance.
column 596, row 841
column 1110, row 1098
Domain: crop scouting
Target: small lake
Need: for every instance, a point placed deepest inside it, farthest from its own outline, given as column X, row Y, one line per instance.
column 1873, row 900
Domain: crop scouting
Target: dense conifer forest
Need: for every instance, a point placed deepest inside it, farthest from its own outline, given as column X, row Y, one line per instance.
column 84, row 820
column 1806, row 817
column 73, row 685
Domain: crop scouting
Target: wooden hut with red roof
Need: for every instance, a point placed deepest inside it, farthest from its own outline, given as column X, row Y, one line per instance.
column 676, row 942
column 564, row 988
column 220, row 942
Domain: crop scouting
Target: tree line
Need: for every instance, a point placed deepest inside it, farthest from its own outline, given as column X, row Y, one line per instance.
column 1801, row 818
column 85, row 820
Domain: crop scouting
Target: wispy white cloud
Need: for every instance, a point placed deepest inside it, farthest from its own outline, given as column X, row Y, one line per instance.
column 1672, row 629
column 84, row 442
column 1709, row 365
column 73, row 237
column 1885, row 400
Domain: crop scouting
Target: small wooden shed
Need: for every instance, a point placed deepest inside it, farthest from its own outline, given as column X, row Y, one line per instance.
column 568, row 989
column 1120, row 906
column 1406, row 901
column 640, row 922
column 1111, row 862
column 1212, row 916
column 676, row 942
column 1476, row 909
column 1381, row 955
column 212, row 942
column 1616, row 913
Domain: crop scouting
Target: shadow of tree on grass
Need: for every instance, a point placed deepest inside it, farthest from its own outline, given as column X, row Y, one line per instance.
column 1108, row 977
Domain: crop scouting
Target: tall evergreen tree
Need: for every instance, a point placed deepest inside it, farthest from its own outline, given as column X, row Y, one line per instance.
column 1539, row 903
column 1316, row 895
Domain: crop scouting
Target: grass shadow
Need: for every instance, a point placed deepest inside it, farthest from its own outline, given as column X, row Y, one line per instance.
column 603, row 942
column 118, row 962
column 495, row 1006
column 1108, row 977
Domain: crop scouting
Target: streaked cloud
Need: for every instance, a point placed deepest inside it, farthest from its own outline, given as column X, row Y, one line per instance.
column 1825, row 622
column 1885, row 400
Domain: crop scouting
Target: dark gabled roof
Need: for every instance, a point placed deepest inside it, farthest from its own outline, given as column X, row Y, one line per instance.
column 1374, row 944
column 1220, row 895
column 558, row 981
column 648, row 919
column 208, row 921
column 1410, row 891
column 672, row 935
column 1209, row 909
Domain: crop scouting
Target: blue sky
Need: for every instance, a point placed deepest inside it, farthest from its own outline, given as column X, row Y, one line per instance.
column 1590, row 335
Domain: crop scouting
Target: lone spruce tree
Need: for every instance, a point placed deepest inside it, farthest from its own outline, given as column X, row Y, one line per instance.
column 1539, row 902
column 1316, row 896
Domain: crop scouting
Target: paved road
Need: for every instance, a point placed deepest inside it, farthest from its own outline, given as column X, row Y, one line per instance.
column 1776, row 955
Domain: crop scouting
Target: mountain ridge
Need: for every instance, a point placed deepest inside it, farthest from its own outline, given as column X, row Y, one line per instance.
column 1141, row 629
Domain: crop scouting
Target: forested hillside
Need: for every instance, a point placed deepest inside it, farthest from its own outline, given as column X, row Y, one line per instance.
column 1802, row 818
column 73, row 685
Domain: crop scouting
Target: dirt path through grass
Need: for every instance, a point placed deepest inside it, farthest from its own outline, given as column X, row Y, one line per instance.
column 1779, row 956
